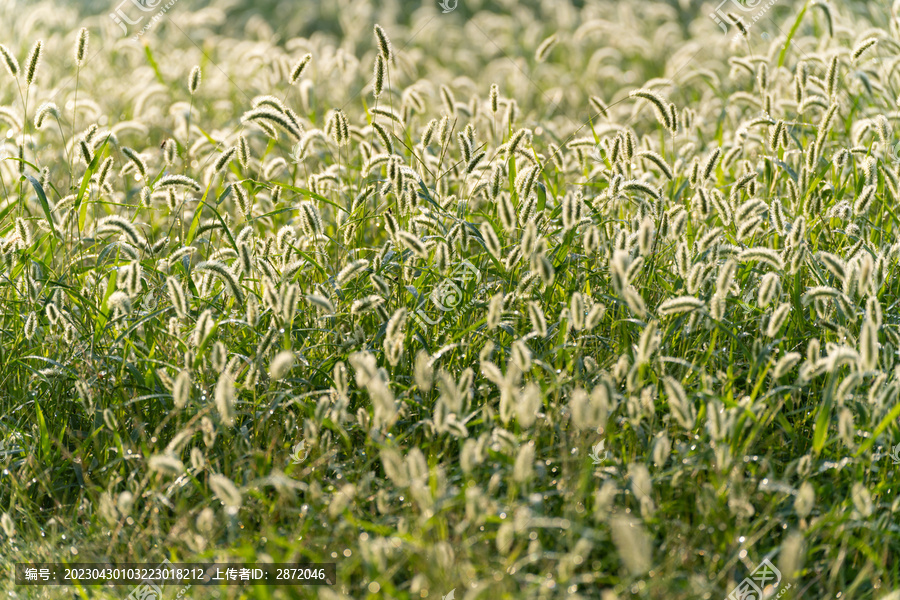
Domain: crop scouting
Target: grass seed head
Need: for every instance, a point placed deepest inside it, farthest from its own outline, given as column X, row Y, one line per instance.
column 81, row 46
column 194, row 80
column 34, row 60
column 545, row 47
column 384, row 44
column 299, row 68
column 12, row 65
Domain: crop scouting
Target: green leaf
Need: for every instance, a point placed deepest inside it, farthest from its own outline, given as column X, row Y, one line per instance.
column 885, row 423
column 820, row 435
column 43, row 199
column 542, row 196
column 195, row 223
column 139, row 322
column 153, row 64
column 310, row 194
column 6, row 210
column 311, row 261
column 82, row 216
column 85, row 180
column 110, row 288
column 224, row 227
column 42, row 426
column 787, row 42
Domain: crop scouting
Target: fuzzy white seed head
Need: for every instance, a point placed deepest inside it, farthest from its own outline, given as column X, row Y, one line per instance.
column 81, row 46
column 225, row 490
column 194, row 80
column 281, row 364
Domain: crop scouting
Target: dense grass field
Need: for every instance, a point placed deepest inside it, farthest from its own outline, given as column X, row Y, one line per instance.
column 476, row 300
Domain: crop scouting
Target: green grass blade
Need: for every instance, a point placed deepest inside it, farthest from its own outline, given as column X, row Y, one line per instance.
column 886, row 422
column 791, row 33
column 43, row 431
column 42, row 197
